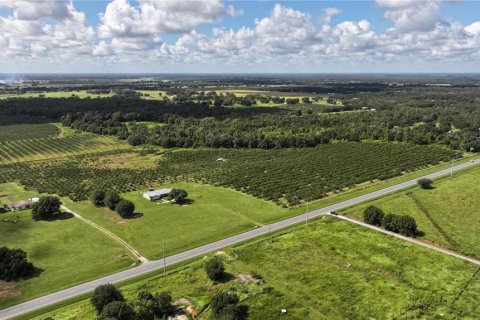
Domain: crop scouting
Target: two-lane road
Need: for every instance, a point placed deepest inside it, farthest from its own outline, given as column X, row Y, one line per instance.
column 202, row 250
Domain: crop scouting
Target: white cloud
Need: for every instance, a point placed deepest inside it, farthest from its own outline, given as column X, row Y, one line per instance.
column 133, row 32
column 154, row 17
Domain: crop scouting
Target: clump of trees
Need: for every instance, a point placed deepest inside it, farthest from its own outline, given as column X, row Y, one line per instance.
column 403, row 224
column 373, row 215
column 47, row 208
column 98, row 197
column 14, row 264
column 109, row 303
column 125, row 208
column 215, row 269
column 111, row 199
column 425, row 183
column 178, row 196
column 225, row 306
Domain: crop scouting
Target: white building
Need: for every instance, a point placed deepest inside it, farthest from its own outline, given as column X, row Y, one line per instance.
column 21, row 205
column 156, row 194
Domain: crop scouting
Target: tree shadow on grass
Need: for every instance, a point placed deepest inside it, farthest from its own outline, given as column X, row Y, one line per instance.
column 185, row 202
column 60, row 216
column 135, row 215
column 226, row 277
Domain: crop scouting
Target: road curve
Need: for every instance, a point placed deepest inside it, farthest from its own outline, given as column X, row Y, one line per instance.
column 202, row 250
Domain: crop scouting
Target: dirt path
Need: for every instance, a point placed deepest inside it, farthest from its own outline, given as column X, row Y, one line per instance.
column 132, row 250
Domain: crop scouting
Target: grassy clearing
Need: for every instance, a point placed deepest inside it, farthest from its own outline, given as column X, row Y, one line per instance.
column 332, row 270
column 68, row 250
column 214, row 213
column 448, row 214
column 82, row 94
column 28, row 131
column 153, row 94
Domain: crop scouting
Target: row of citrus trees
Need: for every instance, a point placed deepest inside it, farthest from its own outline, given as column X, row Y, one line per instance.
column 285, row 176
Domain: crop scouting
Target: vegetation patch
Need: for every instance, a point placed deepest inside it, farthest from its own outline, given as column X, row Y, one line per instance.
column 28, row 131
column 331, row 270
column 447, row 214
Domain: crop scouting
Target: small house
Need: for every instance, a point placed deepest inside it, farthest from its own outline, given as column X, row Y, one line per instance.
column 21, row 205
column 156, row 194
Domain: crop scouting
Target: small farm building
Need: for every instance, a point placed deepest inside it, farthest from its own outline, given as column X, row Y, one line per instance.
column 156, row 194
column 21, row 205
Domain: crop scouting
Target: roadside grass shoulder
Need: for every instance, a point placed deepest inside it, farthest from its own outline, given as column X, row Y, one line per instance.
column 330, row 270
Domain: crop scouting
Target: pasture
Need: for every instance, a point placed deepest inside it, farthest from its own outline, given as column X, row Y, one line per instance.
column 13, row 151
column 82, row 94
column 28, row 131
column 448, row 214
column 332, row 270
column 214, row 213
column 67, row 250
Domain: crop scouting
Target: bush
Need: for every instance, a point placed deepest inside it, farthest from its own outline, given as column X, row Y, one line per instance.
column 46, row 208
column 144, row 306
column 103, row 295
column 14, row 264
column 117, row 310
column 407, row 226
column 404, row 224
column 425, row 183
column 163, row 306
column 373, row 215
column 112, row 199
column 98, row 198
column 225, row 307
column 178, row 195
column 125, row 208
column 215, row 269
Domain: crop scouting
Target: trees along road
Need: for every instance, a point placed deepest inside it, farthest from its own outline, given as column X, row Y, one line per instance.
column 150, row 266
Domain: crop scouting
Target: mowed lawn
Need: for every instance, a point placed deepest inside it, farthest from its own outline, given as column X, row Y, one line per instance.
column 68, row 251
column 332, row 270
column 214, row 213
column 453, row 205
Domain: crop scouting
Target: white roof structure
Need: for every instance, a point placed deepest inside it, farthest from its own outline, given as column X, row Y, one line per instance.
column 156, row 194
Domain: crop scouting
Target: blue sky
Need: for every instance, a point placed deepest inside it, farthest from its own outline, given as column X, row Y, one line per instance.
column 239, row 36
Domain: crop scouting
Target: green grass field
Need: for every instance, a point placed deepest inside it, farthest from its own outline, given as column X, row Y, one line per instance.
column 332, row 270
column 449, row 214
column 214, row 213
column 68, row 250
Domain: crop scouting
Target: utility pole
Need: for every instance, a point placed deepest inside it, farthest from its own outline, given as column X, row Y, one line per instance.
column 451, row 169
column 164, row 260
column 306, row 220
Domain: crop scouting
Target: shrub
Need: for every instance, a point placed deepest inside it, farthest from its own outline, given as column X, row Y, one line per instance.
column 215, row 269
column 98, row 197
column 125, row 208
column 46, row 208
column 178, row 195
column 112, row 199
column 404, row 224
column 407, row 226
column 105, row 294
column 14, row 264
column 425, row 183
column 373, row 215
column 163, row 306
column 117, row 310
column 225, row 307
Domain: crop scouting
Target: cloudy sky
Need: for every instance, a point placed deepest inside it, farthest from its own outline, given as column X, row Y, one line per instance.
column 239, row 36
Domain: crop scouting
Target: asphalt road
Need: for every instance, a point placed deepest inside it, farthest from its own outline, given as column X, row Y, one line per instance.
column 203, row 250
